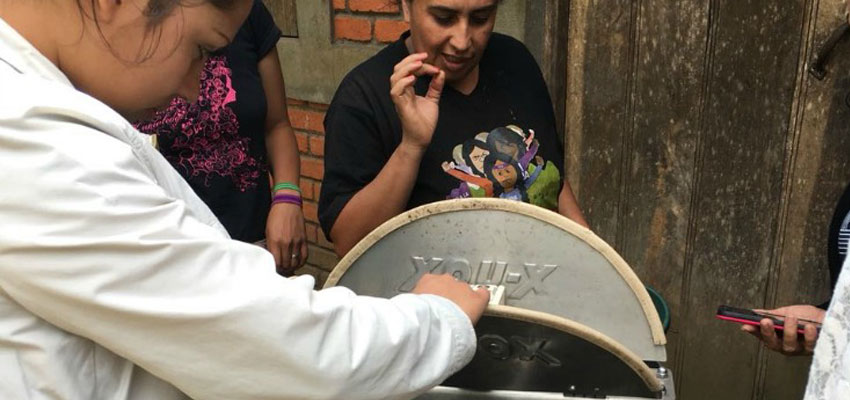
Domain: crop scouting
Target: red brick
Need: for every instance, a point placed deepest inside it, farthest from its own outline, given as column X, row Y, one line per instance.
column 318, row 189
column 312, row 232
column 307, row 120
column 311, row 211
column 339, row 4
column 302, row 140
column 357, row 29
column 322, row 241
column 379, row 6
column 317, row 146
column 312, row 168
column 317, row 238
column 307, row 190
column 389, row 30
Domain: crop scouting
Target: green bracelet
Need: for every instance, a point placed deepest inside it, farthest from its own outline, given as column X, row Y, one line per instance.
column 287, row 185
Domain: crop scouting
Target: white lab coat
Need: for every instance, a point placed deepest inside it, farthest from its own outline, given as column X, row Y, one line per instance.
column 829, row 377
column 116, row 282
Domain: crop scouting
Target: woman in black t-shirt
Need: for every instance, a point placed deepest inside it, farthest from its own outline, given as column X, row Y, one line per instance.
column 237, row 133
column 415, row 123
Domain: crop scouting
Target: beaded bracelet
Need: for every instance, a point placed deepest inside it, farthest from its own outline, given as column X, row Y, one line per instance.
column 287, row 198
column 286, row 185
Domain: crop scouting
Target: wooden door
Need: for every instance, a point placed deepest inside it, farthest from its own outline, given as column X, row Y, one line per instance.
column 702, row 150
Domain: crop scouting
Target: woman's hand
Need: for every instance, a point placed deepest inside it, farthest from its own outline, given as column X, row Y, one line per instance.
column 286, row 238
column 472, row 302
column 418, row 114
column 789, row 344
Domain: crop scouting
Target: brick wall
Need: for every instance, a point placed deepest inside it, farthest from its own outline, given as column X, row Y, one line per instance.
column 367, row 21
column 306, row 118
column 357, row 23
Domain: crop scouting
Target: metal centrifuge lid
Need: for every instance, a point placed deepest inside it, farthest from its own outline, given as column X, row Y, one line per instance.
column 545, row 261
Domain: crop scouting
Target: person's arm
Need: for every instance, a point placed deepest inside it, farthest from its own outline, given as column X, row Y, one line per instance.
column 383, row 198
column 568, row 206
column 790, row 343
column 103, row 252
column 388, row 193
column 285, row 232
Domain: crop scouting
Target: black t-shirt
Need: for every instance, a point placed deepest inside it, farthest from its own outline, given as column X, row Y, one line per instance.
column 492, row 142
column 218, row 143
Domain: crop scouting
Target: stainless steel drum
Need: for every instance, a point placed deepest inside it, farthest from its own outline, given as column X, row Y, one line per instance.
column 565, row 291
column 531, row 351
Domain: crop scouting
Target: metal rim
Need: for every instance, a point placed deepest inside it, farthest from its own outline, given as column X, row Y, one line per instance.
column 583, row 331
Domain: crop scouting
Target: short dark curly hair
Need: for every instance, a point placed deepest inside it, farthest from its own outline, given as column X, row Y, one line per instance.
column 490, row 163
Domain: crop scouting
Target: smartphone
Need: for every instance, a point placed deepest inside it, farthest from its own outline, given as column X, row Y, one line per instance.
column 750, row 317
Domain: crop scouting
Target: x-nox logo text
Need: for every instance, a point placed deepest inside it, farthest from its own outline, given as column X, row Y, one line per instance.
column 519, row 280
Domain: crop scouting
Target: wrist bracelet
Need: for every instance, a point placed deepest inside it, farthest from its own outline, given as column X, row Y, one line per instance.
column 287, row 198
column 286, row 185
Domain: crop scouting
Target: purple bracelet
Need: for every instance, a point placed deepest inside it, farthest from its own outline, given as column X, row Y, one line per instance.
column 287, row 198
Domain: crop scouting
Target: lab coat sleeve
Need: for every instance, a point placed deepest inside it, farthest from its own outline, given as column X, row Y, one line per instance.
column 92, row 244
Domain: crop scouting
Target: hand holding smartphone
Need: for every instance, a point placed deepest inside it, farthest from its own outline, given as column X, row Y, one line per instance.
column 793, row 342
column 751, row 317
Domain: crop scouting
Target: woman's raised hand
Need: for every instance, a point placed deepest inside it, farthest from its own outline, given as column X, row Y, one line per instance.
column 418, row 114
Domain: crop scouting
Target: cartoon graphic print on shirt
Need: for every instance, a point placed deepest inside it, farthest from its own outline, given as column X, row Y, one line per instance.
column 206, row 143
column 504, row 163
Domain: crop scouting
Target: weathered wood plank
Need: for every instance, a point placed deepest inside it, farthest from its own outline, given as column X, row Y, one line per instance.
column 658, row 182
column 818, row 171
column 598, row 74
column 751, row 79
column 700, row 149
column 546, row 27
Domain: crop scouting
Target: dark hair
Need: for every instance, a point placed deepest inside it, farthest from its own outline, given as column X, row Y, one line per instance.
column 156, row 11
column 503, row 134
column 467, row 148
column 490, row 162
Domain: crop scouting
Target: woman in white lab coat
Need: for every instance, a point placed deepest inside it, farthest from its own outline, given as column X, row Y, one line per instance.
column 116, row 282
